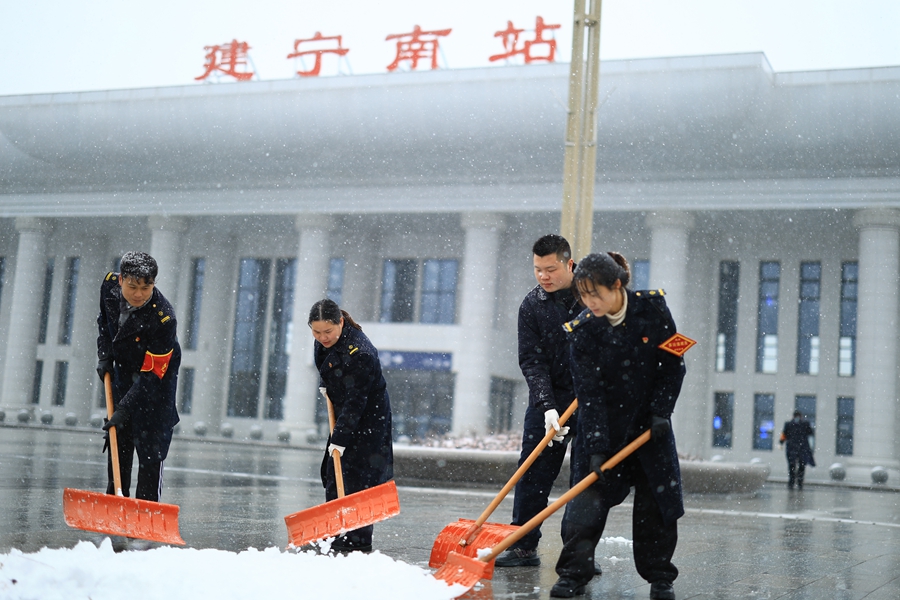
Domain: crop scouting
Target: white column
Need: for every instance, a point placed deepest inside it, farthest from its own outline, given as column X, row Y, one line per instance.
column 669, row 256
column 313, row 258
column 25, row 311
column 876, row 337
column 165, row 246
column 471, row 394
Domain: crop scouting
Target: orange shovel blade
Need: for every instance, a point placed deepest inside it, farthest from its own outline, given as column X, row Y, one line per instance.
column 448, row 540
column 116, row 515
column 343, row 514
column 462, row 570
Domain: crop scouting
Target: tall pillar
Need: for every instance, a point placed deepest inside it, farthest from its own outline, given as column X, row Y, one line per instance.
column 21, row 347
column 669, row 256
column 165, row 246
column 313, row 258
column 876, row 337
column 471, row 395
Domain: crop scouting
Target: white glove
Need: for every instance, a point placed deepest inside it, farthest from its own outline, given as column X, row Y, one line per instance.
column 323, row 390
column 333, row 447
column 551, row 421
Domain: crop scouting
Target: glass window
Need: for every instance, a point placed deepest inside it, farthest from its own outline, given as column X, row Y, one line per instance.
column 847, row 343
column 68, row 309
column 640, row 275
column 186, row 388
column 60, row 378
column 45, row 303
column 501, row 402
column 336, row 279
column 844, row 438
column 439, row 291
column 36, row 382
column 195, row 301
column 723, row 415
column 807, row 407
column 726, row 335
column 763, row 421
column 280, row 333
column 398, row 291
column 249, row 332
column 421, row 401
column 808, row 318
column 767, row 322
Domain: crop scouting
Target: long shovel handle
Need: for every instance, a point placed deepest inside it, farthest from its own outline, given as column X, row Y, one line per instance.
column 562, row 500
column 338, row 472
column 113, row 438
column 472, row 532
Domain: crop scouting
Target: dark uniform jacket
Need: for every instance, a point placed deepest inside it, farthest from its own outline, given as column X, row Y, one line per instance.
column 622, row 379
column 146, row 357
column 797, row 433
column 351, row 372
column 544, row 348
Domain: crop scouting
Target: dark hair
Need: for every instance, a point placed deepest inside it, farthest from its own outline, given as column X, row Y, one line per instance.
column 328, row 310
column 139, row 265
column 553, row 244
column 601, row 269
column 797, row 413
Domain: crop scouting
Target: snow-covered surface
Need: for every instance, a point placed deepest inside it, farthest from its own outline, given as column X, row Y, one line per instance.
column 87, row 571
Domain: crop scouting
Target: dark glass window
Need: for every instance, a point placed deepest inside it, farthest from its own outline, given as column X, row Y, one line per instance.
column 503, row 393
column 847, row 343
column 726, row 335
column 36, row 382
column 280, row 337
column 439, row 291
column 763, row 421
column 68, row 309
column 398, row 291
column 723, row 416
column 808, row 318
column 195, row 301
column 807, row 407
column 45, row 302
column 844, row 438
column 767, row 321
column 186, row 388
column 249, row 332
column 640, row 275
column 421, row 402
column 336, row 279
column 60, row 378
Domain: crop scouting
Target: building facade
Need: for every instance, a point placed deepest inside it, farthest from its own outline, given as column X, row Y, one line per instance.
column 767, row 205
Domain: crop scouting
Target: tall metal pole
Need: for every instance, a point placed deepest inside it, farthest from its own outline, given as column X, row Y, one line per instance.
column 581, row 130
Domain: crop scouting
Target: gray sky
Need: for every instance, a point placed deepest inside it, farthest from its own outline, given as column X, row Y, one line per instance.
column 74, row 45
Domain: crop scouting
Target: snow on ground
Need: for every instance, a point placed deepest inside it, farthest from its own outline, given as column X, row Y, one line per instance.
column 87, row 571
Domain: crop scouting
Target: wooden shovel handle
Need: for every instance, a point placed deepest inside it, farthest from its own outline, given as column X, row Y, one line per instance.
column 472, row 532
column 338, row 472
column 562, row 500
column 113, row 439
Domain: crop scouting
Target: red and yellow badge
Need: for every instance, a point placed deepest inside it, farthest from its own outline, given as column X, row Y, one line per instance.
column 677, row 344
column 157, row 363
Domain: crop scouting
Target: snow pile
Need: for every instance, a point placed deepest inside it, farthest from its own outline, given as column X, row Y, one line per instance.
column 496, row 441
column 87, row 571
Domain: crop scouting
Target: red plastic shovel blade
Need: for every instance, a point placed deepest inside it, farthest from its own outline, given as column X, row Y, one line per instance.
column 462, row 570
column 115, row 515
column 448, row 540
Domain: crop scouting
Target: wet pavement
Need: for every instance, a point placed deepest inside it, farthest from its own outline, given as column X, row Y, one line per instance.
column 824, row 542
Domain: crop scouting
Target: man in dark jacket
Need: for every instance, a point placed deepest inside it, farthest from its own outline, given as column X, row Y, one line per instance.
column 544, row 360
column 796, row 433
column 138, row 346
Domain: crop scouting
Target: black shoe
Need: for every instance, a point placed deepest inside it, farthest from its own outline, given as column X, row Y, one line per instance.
column 517, row 557
column 566, row 588
column 597, row 570
column 662, row 590
column 347, row 548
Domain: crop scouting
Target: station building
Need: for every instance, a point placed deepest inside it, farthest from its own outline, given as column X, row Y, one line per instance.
column 766, row 205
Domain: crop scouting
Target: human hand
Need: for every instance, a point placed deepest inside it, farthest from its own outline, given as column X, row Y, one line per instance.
column 333, row 447
column 551, row 423
column 597, row 461
column 659, row 427
column 104, row 366
column 119, row 417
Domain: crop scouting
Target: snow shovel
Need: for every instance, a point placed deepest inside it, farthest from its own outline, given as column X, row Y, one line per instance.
column 345, row 513
column 466, row 536
column 118, row 515
column 466, row 571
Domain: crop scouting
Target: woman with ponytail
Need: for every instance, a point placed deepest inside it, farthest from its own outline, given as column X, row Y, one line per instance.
column 350, row 372
column 625, row 384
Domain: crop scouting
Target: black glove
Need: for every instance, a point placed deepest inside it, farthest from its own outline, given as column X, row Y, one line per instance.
column 104, row 365
column 597, row 461
column 119, row 417
column 659, row 427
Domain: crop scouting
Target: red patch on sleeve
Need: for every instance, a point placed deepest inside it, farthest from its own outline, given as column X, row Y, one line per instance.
column 157, row 363
column 677, row 344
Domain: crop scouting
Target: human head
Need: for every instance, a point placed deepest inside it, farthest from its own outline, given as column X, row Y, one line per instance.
column 553, row 263
column 327, row 320
column 137, row 277
column 798, row 414
column 599, row 282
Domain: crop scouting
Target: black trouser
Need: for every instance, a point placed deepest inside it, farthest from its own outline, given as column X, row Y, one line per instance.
column 533, row 489
column 149, row 482
column 796, row 471
column 585, row 519
column 352, row 484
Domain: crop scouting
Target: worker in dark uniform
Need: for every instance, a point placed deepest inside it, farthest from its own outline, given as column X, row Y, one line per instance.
column 350, row 372
column 138, row 345
column 544, row 360
column 626, row 383
column 796, row 434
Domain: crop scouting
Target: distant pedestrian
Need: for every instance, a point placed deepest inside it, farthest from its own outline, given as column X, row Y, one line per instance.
column 796, row 434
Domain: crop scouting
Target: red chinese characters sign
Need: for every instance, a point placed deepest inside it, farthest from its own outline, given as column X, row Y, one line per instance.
column 322, row 46
column 227, row 58
column 527, row 49
column 416, row 46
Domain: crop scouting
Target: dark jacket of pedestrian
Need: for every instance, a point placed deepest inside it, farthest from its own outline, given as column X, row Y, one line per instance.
column 796, row 434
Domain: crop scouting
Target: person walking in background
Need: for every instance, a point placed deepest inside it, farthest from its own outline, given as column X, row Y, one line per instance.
column 796, row 434
column 350, row 372
column 138, row 346
column 626, row 383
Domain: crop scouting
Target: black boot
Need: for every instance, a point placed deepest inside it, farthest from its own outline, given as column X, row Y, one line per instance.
column 566, row 588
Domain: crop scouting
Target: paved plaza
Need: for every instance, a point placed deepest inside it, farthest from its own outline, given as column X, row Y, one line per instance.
column 824, row 542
